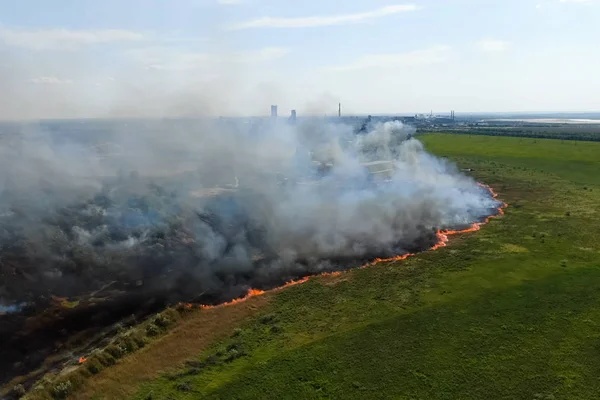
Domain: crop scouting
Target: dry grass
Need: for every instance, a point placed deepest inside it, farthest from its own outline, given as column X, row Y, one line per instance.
column 189, row 338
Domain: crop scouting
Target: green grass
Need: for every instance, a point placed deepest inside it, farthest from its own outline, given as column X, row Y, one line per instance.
column 578, row 162
column 510, row 312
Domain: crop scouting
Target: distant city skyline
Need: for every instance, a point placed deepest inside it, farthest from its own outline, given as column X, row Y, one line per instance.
column 153, row 58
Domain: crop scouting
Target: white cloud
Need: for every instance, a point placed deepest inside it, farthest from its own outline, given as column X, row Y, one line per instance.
column 493, row 45
column 318, row 21
column 50, row 80
column 64, row 39
column 414, row 58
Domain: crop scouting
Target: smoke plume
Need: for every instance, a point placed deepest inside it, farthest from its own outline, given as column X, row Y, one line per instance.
column 206, row 209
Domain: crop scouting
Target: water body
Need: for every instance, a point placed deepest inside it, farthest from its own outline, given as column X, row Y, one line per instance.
column 569, row 121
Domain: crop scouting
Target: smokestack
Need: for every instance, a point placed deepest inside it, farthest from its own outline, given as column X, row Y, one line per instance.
column 274, row 111
column 339, row 110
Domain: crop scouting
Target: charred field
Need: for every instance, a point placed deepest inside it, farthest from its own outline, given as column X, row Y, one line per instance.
column 508, row 312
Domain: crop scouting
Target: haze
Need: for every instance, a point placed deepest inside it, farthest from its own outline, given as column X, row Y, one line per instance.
column 134, row 58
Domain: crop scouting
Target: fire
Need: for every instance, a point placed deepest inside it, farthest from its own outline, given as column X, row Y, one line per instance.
column 392, row 259
column 296, row 282
column 442, row 235
column 251, row 293
column 82, row 360
column 330, row 274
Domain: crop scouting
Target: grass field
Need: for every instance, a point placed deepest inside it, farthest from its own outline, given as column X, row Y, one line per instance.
column 509, row 312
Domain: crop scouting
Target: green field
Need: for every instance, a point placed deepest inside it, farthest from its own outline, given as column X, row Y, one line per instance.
column 509, row 312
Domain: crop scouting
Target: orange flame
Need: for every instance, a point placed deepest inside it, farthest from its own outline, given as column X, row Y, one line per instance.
column 442, row 236
column 296, row 282
column 251, row 293
column 82, row 360
column 330, row 274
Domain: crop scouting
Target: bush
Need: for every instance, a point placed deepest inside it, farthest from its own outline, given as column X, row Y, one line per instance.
column 162, row 321
column 62, row 389
column 233, row 355
column 152, row 330
column 106, row 359
column 233, row 346
column 184, row 387
column 94, row 365
column 236, row 332
column 267, row 319
column 127, row 344
column 114, row 351
column 139, row 339
column 19, row 391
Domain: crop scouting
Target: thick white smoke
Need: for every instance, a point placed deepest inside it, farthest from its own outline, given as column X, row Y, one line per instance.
column 215, row 207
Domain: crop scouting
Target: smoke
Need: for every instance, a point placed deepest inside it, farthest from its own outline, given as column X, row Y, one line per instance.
column 205, row 209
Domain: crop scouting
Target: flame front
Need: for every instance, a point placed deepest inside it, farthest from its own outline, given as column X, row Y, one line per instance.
column 442, row 235
column 82, row 360
column 251, row 293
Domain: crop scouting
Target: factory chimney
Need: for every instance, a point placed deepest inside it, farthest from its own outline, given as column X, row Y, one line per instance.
column 274, row 111
column 339, row 110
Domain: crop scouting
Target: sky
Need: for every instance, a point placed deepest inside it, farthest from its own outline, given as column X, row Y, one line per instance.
column 130, row 58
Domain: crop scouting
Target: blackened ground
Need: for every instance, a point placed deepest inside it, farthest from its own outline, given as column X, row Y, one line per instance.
column 28, row 338
column 80, row 253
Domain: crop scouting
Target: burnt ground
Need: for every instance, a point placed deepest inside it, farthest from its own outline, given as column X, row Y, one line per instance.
column 52, row 335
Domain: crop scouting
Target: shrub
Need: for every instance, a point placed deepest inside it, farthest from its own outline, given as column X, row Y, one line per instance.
column 115, row 351
column 162, row 321
column 267, row 319
column 152, row 330
column 19, row 390
column 127, row 344
column 62, row 389
column 233, row 346
column 184, row 387
column 106, row 359
column 237, row 332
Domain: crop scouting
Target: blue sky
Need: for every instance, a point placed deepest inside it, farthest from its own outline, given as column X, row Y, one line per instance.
column 88, row 58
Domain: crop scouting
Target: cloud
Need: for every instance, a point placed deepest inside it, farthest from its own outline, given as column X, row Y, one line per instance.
column 319, row 21
column 170, row 59
column 50, row 80
column 393, row 60
column 64, row 39
column 492, row 45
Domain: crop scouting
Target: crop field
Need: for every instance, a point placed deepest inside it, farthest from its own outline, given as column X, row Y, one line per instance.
column 509, row 312
column 584, row 132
